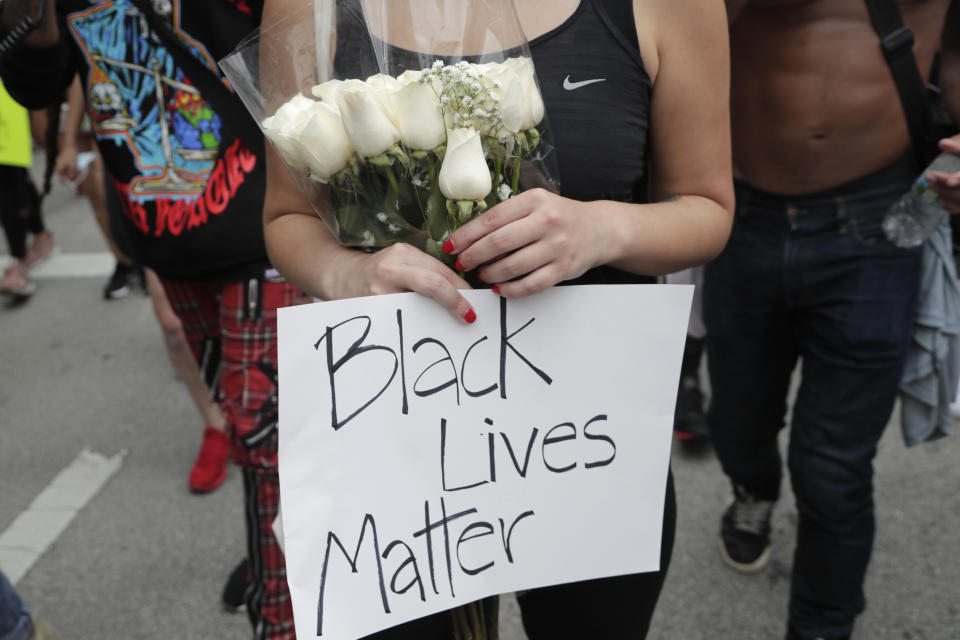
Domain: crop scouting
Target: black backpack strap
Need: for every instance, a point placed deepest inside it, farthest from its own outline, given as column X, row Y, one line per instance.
column 896, row 40
column 226, row 103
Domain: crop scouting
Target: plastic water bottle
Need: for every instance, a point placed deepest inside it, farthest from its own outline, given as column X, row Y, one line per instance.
column 912, row 218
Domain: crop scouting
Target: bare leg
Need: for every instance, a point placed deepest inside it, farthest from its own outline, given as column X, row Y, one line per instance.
column 93, row 188
column 180, row 356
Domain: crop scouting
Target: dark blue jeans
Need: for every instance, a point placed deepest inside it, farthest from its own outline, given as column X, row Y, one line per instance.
column 14, row 618
column 811, row 279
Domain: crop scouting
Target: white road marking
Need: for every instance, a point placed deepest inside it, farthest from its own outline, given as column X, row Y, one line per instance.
column 71, row 265
column 34, row 530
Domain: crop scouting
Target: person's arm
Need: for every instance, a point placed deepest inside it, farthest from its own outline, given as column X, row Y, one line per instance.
column 543, row 239
column 303, row 249
column 66, row 165
column 947, row 185
column 37, row 73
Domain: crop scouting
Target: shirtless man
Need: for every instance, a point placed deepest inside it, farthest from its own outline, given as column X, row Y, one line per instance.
column 821, row 148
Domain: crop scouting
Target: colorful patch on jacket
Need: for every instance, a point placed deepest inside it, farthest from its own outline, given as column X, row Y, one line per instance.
column 140, row 99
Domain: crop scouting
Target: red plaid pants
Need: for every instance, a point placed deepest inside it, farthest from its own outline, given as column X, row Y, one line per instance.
column 242, row 318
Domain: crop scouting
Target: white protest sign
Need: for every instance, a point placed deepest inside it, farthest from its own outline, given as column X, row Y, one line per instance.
column 426, row 464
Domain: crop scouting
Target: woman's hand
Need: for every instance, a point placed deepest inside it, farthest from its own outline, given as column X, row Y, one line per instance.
column 400, row 268
column 530, row 243
column 947, row 185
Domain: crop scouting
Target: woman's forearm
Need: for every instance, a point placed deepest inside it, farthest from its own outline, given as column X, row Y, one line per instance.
column 664, row 237
column 302, row 248
column 75, row 111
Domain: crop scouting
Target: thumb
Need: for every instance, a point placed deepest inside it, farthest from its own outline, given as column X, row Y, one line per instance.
column 950, row 145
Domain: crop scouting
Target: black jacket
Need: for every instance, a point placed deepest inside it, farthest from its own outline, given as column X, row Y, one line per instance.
column 190, row 192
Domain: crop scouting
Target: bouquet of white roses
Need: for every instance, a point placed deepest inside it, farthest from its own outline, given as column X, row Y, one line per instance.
column 391, row 133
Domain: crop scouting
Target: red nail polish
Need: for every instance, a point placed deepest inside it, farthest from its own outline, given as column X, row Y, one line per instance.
column 448, row 246
column 470, row 316
column 496, row 289
column 458, row 265
column 478, row 277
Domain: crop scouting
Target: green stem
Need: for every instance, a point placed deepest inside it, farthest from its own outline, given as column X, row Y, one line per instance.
column 391, row 176
column 515, row 184
column 461, row 625
column 476, row 619
column 337, row 196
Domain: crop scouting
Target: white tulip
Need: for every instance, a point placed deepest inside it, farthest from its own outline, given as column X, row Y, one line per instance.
column 283, row 127
column 464, row 174
column 328, row 91
column 370, row 128
column 418, row 116
column 324, row 143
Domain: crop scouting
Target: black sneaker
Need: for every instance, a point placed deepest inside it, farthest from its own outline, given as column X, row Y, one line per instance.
column 745, row 532
column 139, row 280
column 689, row 421
column 235, row 591
column 118, row 286
column 793, row 635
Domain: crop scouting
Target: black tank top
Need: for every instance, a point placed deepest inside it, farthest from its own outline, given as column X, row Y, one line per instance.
column 597, row 93
column 597, row 96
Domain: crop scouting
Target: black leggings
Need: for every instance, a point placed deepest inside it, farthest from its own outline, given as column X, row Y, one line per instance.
column 19, row 208
column 607, row 609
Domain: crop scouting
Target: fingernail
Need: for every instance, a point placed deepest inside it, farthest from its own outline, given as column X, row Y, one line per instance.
column 448, row 246
column 458, row 265
column 478, row 277
column 470, row 316
column 496, row 289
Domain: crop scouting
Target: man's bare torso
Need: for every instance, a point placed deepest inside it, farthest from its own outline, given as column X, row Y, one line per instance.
column 813, row 101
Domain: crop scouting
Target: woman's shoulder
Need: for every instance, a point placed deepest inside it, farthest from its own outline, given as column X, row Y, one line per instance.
column 667, row 25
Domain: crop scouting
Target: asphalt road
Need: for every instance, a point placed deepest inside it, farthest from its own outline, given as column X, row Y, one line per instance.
column 146, row 559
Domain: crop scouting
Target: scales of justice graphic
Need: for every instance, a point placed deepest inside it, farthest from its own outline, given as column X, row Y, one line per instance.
column 172, row 180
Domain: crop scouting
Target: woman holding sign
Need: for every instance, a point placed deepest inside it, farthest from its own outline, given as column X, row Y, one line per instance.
column 636, row 94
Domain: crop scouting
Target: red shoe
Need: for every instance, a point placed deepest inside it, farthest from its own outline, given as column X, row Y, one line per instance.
column 210, row 469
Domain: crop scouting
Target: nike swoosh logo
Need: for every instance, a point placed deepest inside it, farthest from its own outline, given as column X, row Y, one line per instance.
column 570, row 86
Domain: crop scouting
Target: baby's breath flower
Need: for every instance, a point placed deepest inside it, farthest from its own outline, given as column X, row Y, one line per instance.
column 504, row 192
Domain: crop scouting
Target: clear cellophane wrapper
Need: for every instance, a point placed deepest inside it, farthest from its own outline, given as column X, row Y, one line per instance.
column 399, row 120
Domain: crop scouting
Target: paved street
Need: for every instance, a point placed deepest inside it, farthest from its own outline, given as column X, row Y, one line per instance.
column 145, row 559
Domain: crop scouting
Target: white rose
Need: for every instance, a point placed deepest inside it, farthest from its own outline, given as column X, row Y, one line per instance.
column 328, row 91
column 525, row 71
column 410, row 76
column 384, row 84
column 324, row 143
column 464, row 174
column 502, row 81
column 283, row 127
column 370, row 128
column 418, row 116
